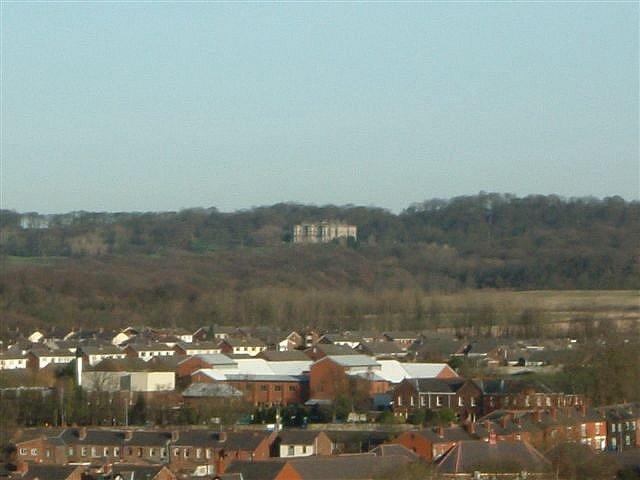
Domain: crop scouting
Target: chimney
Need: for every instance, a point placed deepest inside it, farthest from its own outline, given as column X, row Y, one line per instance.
column 440, row 431
column 222, row 436
column 175, row 435
column 82, row 433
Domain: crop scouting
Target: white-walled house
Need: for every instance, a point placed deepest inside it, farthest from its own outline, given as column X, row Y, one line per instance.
column 94, row 355
column 12, row 360
column 39, row 359
column 302, row 443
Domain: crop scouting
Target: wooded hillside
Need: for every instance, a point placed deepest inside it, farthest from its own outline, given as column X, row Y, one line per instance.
column 203, row 263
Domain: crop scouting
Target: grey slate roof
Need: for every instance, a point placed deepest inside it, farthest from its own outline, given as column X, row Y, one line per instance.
column 48, row 472
column 208, row 390
column 298, row 437
column 148, row 439
column 289, row 355
column 387, row 449
column 347, row 467
column 234, row 440
column 477, row 455
column 353, row 360
column 259, row 470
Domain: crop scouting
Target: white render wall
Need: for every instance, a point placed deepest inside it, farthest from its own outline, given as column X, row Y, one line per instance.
column 298, row 450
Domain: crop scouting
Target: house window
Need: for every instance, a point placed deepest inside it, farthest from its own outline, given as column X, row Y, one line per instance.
column 460, row 402
column 613, row 428
column 187, row 452
column 34, row 452
column 277, row 388
column 291, row 450
column 129, row 451
column 583, row 430
column 597, row 429
column 473, row 401
column 411, row 400
column 292, row 388
column 105, row 452
column 198, row 453
column 176, row 452
column 399, row 401
column 152, row 452
column 163, row 452
column 47, row 453
column 423, row 400
column 116, row 451
column 139, row 452
column 94, row 452
column 264, row 388
column 208, row 453
column 438, row 401
column 23, row 451
column 304, row 449
column 84, row 451
column 70, row 451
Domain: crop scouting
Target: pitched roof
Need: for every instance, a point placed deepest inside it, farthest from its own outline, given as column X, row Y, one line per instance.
column 244, row 341
column 443, row 435
column 49, row 472
column 347, row 467
column 248, row 441
column 213, row 359
column 512, row 386
column 93, row 437
column 273, row 356
column 505, row 456
column 298, row 437
column 437, row 385
column 395, row 371
column 210, row 390
column 387, row 449
column 257, row 470
column 350, row 361
column 148, row 438
column 332, row 349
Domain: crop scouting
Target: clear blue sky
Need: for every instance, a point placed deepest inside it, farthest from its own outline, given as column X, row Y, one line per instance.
column 142, row 106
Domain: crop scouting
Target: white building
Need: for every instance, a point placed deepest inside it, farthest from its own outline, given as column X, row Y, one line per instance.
column 12, row 361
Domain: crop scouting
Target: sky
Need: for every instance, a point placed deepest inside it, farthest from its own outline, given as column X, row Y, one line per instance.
column 162, row 106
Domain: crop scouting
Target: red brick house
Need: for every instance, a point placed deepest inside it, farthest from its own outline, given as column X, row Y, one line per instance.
column 260, row 390
column 266, row 470
column 207, row 452
column 522, row 395
column 462, row 396
column 431, row 444
column 336, row 375
column 196, row 362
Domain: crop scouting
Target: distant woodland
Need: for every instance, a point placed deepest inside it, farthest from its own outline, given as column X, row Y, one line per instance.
column 202, row 266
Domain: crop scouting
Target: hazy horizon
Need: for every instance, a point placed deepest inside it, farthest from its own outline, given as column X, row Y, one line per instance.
column 160, row 107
